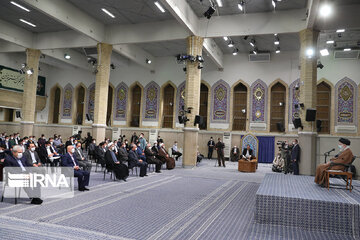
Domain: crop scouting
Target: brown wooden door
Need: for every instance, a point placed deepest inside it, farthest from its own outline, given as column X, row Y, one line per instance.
column 56, row 106
column 239, row 107
column 277, row 107
column 204, row 93
column 168, row 107
column 109, row 106
column 135, row 106
column 323, row 96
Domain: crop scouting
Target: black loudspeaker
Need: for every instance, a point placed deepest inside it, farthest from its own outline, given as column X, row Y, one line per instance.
column 318, row 125
column 181, row 119
column 280, row 127
column 310, row 115
column 297, row 123
column 18, row 114
column 88, row 117
column 198, row 120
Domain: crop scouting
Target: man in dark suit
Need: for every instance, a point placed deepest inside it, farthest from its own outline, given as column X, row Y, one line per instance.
column 100, row 154
column 12, row 141
column 140, row 152
column 41, row 141
column 155, row 148
column 134, row 138
column 151, row 158
column 112, row 163
column 211, row 145
column 220, row 152
column 69, row 142
column 247, row 153
column 32, row 156
column 295, row 156
column 69, row 160
column 123, row 154
column 80, row 157
column 134, row 160
column 235, row 154
column 16, row 159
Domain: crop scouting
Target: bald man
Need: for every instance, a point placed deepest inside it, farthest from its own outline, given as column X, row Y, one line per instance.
column 69, row 160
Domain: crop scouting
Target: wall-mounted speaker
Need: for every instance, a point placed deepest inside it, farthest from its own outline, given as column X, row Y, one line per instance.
column 18, row 114
column 198, row 120
column 310, row 115
column 88, row 117
column 280, row 127
column 297, row 123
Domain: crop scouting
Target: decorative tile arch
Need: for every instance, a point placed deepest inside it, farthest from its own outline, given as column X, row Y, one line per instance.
column 66, row 111
column 120, row 103
column 91, row 100
column 346, row 102
column 258, row 101
column 180, row 99
column 151, row 102
column 220, row 102
column 294, row 98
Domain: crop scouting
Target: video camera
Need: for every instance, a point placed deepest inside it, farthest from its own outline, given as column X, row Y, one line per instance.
column 283, row 145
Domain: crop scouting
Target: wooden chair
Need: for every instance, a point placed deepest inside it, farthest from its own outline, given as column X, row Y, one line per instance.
column 244, row 165
column 348, row 175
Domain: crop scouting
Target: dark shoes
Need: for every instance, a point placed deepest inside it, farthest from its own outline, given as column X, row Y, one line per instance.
column 84, row 189
column 37, row 201
column 158, row 171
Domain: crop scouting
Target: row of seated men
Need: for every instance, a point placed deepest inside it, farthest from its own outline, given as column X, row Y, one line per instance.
column 247, row 154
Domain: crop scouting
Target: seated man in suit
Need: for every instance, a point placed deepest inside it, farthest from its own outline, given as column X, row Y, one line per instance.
column 16, row 159
column 134, row 160
column 69, row 160
column 344, row 156
column 247, row 153
column 112, row 163
column 52, row 155
column 123, row 154
column 32, row 156
column 235, row 154
column 151, row 158
column 175, row 151
column 140, row 152
column 155, row 148
column 100, row 154
column 80, row 157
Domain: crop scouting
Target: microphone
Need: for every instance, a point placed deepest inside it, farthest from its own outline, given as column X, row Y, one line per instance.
column 330, row 151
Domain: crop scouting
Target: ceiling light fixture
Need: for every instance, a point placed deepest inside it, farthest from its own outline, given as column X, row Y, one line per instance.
column 330, row 42
column 255, row 51
column 309, row 52
column 320, row 65
column 30, row 71
column 235, row 52
column 277, row 50
column 252, row 42
column 347, row 49
column 324, row 52
column 219, row 3
column 273, row 2
column 28, row 23
column 231, row 43
column 277, row 41
column 67, row 56
column 241, row 5
column 148, row 61
column 159, row 6
column 19, row 6
column 226, row 38
column 325, row 10
column 108, row 13
column 340, row 30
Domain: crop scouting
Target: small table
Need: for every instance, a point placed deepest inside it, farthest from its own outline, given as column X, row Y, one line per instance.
column 339, row 172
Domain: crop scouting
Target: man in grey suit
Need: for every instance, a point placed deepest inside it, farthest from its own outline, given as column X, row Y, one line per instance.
column 32, row 156
column 83, row 162
column 123, row 154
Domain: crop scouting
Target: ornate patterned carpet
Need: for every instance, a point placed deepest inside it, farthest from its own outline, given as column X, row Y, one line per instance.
column 203, row 203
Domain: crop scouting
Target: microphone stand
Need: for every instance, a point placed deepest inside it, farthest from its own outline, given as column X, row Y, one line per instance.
column 326, row 155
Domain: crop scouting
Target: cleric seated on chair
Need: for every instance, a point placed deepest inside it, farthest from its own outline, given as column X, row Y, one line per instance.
column 344, row 156
column 247, row 153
